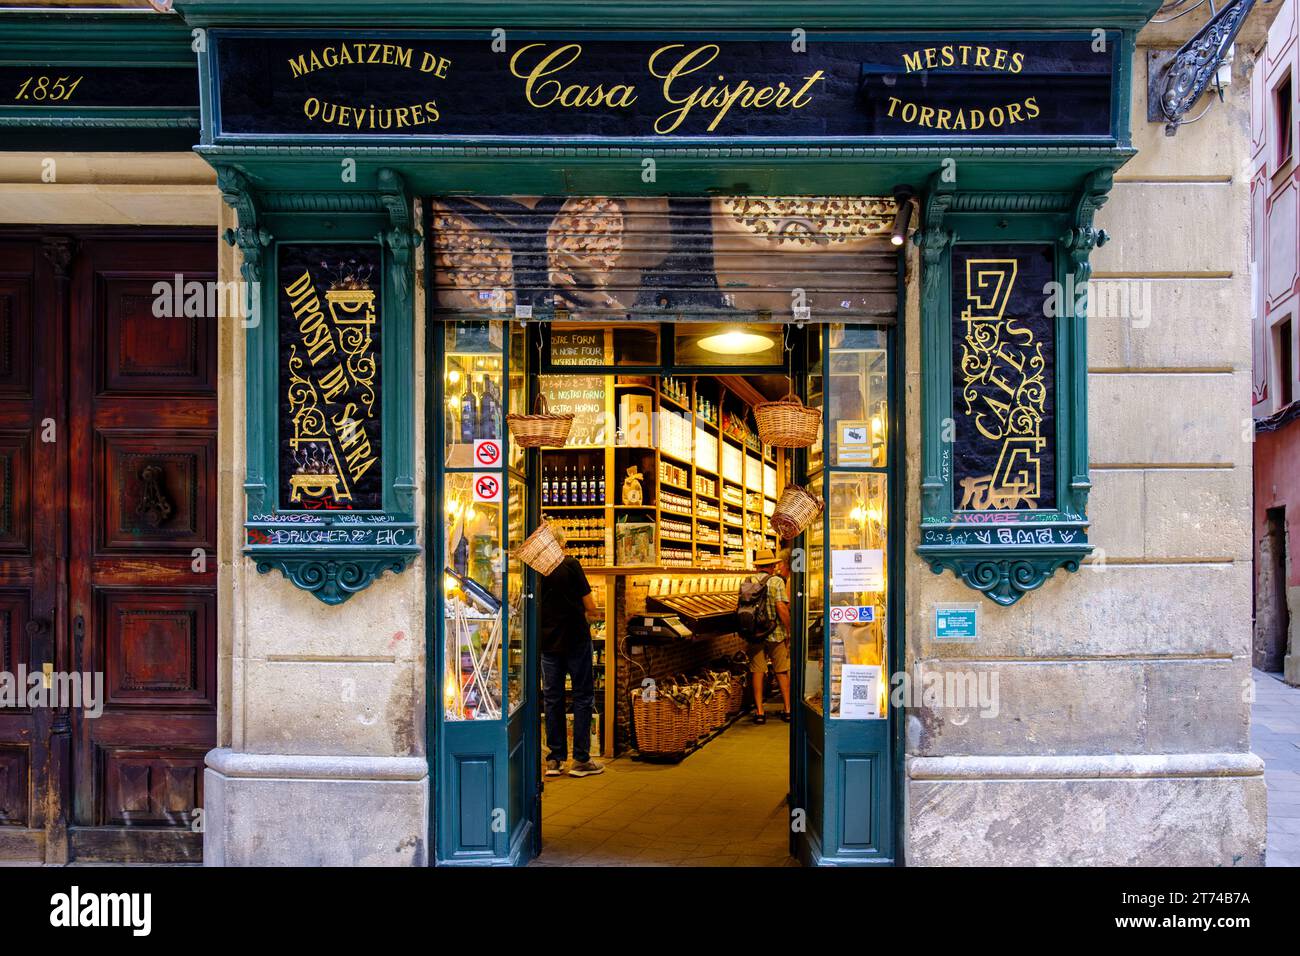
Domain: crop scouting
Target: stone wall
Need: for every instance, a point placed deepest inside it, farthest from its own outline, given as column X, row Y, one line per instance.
column 1122, row 732
column 321, row 757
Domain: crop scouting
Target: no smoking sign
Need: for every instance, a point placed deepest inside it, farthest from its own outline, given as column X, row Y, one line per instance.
column 487, row 488
column 487, row 453
column 853, row 615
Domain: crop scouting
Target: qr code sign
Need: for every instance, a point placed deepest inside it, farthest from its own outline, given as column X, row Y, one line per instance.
column 861, row 692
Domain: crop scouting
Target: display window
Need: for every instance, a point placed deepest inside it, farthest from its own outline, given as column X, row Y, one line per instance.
column 473, row 622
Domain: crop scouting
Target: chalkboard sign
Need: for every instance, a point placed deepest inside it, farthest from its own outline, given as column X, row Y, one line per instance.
column 331, row 441
column 1004, row 375
column 579, row 347
column 583, row 396
column 687, row 84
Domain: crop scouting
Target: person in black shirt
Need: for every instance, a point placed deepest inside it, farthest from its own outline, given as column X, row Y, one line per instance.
column 565, row 637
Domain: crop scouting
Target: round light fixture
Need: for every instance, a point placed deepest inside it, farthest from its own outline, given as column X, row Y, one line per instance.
column 736, row 342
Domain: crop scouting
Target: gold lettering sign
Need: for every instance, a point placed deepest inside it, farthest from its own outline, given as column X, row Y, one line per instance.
column 973, row 119
column 1001, row 374
column 330, row 393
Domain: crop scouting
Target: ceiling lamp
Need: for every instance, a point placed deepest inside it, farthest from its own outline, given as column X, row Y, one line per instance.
column 736, row 342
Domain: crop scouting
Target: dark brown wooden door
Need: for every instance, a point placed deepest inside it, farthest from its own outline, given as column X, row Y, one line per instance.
column 121, row 563
column 143, row 563
column 33, row 288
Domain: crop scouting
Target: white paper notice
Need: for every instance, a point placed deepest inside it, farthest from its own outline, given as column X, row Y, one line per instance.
column 853, row 571
column 860, row 692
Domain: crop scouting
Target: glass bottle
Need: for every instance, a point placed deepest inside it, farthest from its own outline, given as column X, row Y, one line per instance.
column 460, row 560
column 468, row 414
column 489, row 411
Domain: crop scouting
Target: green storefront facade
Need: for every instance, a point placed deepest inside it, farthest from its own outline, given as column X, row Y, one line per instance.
column 343, row 135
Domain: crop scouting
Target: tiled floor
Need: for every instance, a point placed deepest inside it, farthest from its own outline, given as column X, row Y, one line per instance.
column 724, row 805
column 1275, row 736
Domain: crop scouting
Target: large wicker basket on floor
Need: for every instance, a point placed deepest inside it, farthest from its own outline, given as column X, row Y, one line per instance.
column 660, row 723
column 797, row 509
column 735, row 694
column 718, row 706
column 540, row 428
column 541, row 550
column 788, row 423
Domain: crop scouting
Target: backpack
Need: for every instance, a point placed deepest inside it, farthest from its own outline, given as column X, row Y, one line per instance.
column 753, row 622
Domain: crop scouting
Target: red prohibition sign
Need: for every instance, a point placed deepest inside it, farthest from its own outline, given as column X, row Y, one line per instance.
column 487, row 453
column 486, row 486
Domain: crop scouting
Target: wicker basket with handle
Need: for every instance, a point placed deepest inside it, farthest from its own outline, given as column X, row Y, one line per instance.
column 797, row 509
column 541, row 550
column 787, row 423
column 540, row 428
column 660, row 724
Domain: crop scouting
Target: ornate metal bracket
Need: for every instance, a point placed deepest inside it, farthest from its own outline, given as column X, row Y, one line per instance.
column 1174, row 86
column 248, row 236
column 402, row 236
column 333, row 578
column 1007, row 576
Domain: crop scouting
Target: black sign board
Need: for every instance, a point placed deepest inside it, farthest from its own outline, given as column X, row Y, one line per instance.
column 331, row 435
column 402, row 86
column 1003, row 377
column 78, row 87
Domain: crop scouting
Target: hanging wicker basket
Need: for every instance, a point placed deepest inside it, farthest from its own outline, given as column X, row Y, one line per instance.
column 797, row 509
column 542, row 550
column 540, row 428
column 788, row 423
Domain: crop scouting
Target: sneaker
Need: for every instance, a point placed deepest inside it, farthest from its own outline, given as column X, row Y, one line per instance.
column 587, row 768
column 554, row 768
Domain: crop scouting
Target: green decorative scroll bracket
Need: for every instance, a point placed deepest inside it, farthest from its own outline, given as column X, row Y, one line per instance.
column 330, row 554
column 1000, row 546
column 334, row 577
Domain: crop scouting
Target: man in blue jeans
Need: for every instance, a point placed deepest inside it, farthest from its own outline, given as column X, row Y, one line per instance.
column 565, row 637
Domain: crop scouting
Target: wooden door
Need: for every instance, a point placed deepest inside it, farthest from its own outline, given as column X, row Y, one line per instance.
column 142, row 534
column 33, row 289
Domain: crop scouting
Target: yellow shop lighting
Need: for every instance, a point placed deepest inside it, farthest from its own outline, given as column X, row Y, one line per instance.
column 736, row 342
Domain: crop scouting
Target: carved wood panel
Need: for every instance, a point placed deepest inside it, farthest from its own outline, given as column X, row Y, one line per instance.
column 157, row 647
column 149, row 343
column 154, row 490
column 14, row 786
column 15, row 491
column 15, row 335
column 146, row 787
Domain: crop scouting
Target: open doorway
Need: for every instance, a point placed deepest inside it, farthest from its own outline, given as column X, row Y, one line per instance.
column 675, row 765
column 659, row 326
column 1272, row 613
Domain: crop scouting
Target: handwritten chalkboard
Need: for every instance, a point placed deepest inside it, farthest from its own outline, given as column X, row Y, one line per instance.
column 578, row 347
column 582, row 396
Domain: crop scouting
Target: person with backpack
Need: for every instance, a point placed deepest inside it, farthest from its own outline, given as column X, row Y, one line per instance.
column 763, row 620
